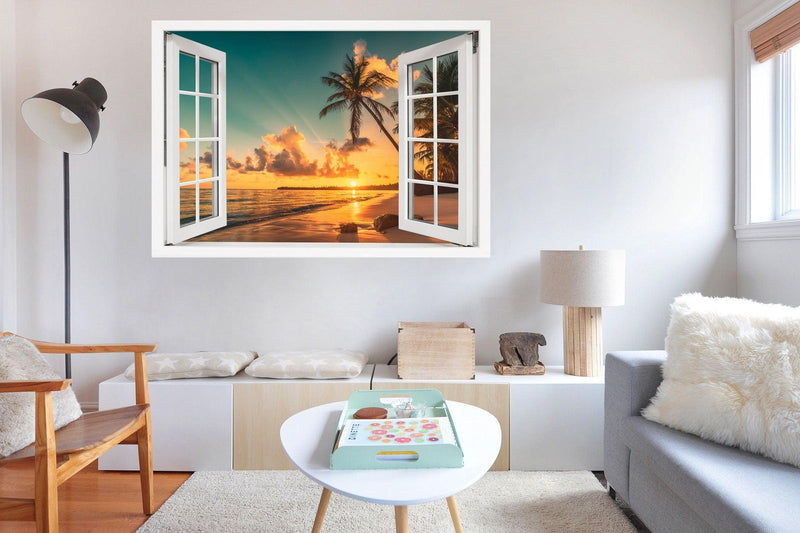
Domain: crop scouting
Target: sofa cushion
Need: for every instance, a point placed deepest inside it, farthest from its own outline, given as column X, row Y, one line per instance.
column 193, row 365
column 732, row 374
column 312, row 364
column 21, row 361
column 733, row 489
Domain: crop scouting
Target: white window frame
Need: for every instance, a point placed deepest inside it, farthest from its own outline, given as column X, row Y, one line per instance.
column 159, row 248
column 176, row 232
column 784, row 224
column 464, row 232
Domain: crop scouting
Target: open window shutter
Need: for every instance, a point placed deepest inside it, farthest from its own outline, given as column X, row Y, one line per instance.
column 776, row 35
column 196, row 185
column 436, row 104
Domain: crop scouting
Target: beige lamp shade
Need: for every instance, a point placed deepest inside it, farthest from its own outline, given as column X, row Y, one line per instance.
column 583, row 278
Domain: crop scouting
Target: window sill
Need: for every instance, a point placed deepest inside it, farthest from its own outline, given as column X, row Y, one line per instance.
column 245, row 250
column 772, row 230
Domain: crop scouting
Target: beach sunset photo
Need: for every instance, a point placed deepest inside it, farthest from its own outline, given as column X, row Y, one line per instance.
column 311, row 137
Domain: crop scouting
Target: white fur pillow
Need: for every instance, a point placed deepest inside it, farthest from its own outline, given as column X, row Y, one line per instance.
column 21, row 361
column 732, row 375
column 314, row 364
column 193, row 365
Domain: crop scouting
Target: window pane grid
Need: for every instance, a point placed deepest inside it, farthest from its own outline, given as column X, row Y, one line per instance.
column 423, row 104
column 205, row 205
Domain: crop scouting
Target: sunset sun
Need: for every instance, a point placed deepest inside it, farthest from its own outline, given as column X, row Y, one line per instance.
column 353, row 183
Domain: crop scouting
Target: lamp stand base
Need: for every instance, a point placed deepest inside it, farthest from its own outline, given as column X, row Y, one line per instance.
column 583, row 341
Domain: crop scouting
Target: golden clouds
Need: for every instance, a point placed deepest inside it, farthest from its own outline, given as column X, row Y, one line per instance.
column 374, row 62
column 337, row 158
column 183, row 135
column 284, row 155
column 290, row 158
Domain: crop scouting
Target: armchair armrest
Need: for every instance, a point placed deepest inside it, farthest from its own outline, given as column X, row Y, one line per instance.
column 55, row 347
column 34, row 386
column 59, row 347
column 142, row 392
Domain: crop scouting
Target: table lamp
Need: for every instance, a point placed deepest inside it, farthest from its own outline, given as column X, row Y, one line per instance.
column 583, row 281
column 68, row 119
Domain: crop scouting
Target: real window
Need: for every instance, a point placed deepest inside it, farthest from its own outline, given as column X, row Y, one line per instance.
column 424, row 106
column 768, row 122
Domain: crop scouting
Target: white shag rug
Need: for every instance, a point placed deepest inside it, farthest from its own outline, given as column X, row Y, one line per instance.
column 286, row 501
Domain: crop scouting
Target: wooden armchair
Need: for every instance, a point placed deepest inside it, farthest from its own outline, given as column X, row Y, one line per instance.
column 58, row 455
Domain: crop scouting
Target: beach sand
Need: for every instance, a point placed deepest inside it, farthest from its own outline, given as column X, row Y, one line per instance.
column 323, row 225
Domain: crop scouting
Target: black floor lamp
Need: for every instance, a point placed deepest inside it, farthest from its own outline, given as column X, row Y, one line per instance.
column 69, row 119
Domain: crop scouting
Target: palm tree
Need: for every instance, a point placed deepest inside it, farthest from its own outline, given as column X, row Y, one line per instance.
column 354, row 89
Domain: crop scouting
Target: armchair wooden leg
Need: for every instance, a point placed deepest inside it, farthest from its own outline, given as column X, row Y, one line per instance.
column 45, row 481
column 145, row 446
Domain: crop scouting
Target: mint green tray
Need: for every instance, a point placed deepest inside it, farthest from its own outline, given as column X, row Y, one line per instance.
column 381, row 456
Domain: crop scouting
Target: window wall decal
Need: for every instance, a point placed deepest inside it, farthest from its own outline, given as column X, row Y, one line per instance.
column 347, row 138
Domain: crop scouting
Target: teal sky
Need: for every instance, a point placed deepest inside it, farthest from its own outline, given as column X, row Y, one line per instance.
column 273, row 78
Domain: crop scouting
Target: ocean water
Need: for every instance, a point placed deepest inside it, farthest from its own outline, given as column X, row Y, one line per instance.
column 257, row 205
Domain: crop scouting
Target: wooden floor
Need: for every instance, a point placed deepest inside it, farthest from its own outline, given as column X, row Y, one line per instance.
column 92, row 501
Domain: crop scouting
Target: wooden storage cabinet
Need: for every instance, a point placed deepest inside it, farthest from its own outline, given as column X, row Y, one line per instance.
column 556, row 421
column 488, row 390
column 260, row 408
column 220, row 423
column 549, row 422
column 192, row 424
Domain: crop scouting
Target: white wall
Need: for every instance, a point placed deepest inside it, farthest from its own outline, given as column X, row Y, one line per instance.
column 612, row 127
column 768, row 271
column 8, row 221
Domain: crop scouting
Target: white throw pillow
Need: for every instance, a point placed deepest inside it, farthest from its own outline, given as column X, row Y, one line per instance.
column 313, row 364
column 732, row 375
column 193, row 365
column 21, row 361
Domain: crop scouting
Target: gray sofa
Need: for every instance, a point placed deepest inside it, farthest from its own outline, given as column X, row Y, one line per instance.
column 677, row 482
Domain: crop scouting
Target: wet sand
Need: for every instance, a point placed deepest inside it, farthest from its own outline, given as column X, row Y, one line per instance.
column 323, row 225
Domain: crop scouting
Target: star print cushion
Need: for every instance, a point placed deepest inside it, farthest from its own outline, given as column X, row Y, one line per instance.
column 312, row 364
column 194, row 365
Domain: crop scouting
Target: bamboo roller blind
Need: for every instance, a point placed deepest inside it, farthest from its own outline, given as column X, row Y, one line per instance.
column 776, row 35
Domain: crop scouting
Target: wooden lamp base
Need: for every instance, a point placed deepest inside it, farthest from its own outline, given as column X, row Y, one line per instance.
column 583, row 341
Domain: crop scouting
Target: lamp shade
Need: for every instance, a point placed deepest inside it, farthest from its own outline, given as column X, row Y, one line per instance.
column 69, row 119
column 583, row 278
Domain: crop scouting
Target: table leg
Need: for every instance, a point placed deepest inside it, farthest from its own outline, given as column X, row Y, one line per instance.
column 321, row 509
column 451, row 504
column 401, row 518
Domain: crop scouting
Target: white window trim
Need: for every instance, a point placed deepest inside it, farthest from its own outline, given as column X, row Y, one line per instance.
column 743, row 54
column 175, row 231
column 217, row 249
column 463, row 234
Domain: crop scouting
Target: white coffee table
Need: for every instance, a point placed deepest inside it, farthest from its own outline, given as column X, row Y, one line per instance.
column 479, row 434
